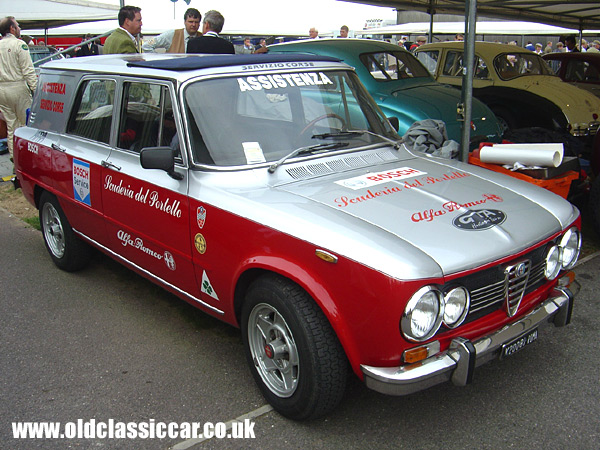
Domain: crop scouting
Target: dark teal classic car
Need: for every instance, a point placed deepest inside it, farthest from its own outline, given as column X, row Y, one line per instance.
column 401, row 85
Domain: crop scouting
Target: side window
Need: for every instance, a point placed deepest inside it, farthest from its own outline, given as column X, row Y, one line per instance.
column 143, row 119
column 429, row 59
column 92, row 114
column 576, row 70
column 454, row 64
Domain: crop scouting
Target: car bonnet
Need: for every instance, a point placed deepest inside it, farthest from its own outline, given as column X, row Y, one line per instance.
column 423, row 207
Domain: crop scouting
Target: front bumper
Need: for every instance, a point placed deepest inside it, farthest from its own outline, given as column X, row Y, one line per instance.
column 459, row 361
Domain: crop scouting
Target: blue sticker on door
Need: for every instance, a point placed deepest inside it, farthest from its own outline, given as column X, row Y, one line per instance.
column 81, row 181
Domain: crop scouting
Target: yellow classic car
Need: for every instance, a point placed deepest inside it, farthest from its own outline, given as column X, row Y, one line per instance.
column 518, row 86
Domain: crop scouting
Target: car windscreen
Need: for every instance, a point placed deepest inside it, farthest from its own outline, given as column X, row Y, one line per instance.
column 513, row 65
column 248, row 120
column 393, row 65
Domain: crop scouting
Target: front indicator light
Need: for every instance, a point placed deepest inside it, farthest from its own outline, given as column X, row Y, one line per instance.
column 553, row 263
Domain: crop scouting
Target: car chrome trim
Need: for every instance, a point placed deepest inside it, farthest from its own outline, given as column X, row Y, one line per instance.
column 146, row 272
column 458, row 362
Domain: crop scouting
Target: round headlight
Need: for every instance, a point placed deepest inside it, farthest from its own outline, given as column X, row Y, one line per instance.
column 570, row 245
column 423, row 314
column 456, row 306
column 553, row 263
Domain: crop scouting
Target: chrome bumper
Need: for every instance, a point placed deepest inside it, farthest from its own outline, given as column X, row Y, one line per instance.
column 459, row 361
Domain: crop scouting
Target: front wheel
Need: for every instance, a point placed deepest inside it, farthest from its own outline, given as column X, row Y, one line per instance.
column 294, row 354
column 67, row 251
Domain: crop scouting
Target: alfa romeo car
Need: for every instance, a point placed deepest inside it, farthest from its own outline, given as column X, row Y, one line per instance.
column 518, row 85
column 401, row 85
column 272, row 193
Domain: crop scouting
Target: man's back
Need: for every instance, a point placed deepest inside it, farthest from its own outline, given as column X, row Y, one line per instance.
column 210, row 44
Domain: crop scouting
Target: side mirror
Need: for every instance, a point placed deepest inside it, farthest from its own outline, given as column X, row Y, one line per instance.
column 162, row 158
column 394, row 122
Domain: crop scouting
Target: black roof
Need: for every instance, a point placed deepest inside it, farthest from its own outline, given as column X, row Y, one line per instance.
column 193, row 62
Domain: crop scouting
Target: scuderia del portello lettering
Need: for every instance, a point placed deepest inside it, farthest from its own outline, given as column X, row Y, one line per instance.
column 145, row 196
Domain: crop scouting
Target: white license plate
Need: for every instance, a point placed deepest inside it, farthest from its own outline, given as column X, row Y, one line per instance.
column 519, row 343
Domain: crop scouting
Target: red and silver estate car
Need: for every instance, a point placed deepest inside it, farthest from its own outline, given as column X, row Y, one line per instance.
column 270, row 192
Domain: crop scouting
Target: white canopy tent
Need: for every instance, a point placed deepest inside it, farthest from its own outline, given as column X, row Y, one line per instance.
column 44, row 14
column 483, row 27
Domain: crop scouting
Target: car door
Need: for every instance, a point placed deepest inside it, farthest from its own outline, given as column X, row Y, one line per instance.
column 77, row 156
column 147, row 210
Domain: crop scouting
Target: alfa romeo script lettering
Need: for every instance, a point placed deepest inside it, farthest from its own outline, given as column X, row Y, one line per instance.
column 481, row 219
column 137, row 243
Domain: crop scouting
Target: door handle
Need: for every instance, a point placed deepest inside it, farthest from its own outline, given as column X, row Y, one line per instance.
column 58, row 148
column 108, row 164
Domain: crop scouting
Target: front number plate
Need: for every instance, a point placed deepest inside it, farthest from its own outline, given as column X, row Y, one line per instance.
column 519, row 343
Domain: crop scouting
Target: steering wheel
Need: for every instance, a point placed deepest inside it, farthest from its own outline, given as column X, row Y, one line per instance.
column 313, row 122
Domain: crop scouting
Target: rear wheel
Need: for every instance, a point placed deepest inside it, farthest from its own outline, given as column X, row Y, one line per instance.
column 294, row 354
column 67, row 251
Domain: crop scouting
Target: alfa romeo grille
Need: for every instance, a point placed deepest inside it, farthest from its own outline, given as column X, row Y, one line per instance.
column 505, row 285
column 515, row 282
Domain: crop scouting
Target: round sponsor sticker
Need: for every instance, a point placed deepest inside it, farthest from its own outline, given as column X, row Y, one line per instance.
column 200, row 243
column 24, row 47
column 479, row 219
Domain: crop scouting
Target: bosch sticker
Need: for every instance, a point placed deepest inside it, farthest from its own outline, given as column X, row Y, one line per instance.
column 481, row 219
column 283, row 80
column 207, row 287
column 81, row 181
column 372, row 179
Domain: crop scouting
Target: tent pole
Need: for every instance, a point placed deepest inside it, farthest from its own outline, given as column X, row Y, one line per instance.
column 431, row 13
column 467, row 84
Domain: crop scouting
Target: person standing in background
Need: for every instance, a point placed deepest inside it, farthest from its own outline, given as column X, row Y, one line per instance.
column 17, row 77
column 344, row 31
column 89, row 49
column 210, row 42
column 123, row 39
column 175, row 41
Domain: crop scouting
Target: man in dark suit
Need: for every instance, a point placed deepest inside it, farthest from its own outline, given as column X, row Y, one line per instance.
column 210, row 42
column 91, row 48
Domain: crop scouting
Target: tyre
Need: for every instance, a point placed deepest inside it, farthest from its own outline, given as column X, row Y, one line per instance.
column 67, row 251
column 594, row 205
column 293, row 353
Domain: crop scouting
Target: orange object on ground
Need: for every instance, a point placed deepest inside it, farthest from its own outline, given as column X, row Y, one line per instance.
column 559, row 185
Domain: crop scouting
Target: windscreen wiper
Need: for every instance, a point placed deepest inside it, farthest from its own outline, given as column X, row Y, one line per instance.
column 309, row 149
column 347, row 133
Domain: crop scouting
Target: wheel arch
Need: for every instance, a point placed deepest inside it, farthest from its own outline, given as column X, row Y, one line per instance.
column 528, row 109
column 311, row 284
